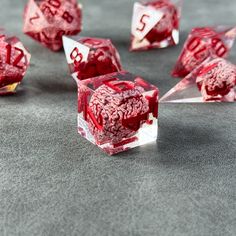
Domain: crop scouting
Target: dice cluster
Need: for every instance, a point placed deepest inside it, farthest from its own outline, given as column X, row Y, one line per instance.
column 116, row 109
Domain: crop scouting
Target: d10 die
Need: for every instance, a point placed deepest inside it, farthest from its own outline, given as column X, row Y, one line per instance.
column 155, row 24
column 47, row 21
column 14, row 61
column 200, row 44
column 117, row 111
column 90, row 57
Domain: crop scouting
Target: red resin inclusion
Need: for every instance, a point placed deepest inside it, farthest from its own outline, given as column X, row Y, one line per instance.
column 217, row 81
column 163, row 29
column 103, row 59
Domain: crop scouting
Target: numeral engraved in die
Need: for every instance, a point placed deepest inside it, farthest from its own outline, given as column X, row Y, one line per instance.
column 193, row 46
column 142, row 23
column 76, row 56
column 17, row 60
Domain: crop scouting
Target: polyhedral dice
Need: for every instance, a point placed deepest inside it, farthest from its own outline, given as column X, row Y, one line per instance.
column 117, row 111
column 155, row 24
column 213, row 81
column 90, row 57
column 47, row 21
column 200, row 44
column 14, row 61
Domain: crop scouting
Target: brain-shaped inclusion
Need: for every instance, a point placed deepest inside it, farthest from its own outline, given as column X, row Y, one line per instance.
column 119, row 108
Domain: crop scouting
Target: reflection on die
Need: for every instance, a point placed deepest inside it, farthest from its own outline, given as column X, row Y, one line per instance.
column 47, row 21
column 201, row 43
column 117, row 111
column 14, row 62
column 90, row 57
column 155, row 24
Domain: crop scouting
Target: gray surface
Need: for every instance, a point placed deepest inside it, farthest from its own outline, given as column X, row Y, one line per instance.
column 53, row 182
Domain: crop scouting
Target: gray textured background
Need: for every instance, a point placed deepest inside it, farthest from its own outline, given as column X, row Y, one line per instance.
column 53, row 182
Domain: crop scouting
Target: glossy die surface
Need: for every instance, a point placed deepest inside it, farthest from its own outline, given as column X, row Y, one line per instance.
column 14, row 61
column 213, row 81
column 200, row 44
column 47, row 21
column 117, row 111
column 90, row 57
column 155, row 24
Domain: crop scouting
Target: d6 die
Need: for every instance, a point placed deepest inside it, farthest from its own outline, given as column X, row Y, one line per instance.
column 90, row 57
column 47, row 21
column 117, row 111
column 14, row 61
column 201, row 43
column 155, row 24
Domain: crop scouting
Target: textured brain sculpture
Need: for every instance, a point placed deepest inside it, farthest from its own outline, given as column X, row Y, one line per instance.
column 117, row 109
column 217, row 80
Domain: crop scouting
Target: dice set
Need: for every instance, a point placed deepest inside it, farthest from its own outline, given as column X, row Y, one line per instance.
column 46, row 21
column 117, row 111
column 213, row 81
column 155, row 24
column 201, row 43
column 14, row 62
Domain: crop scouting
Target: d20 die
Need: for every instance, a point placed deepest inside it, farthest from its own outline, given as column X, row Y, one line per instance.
column 14, row 61
column 200, row 44
column 117, row 111
column 155, row 24
column 47, row 21
column 90, row 57
column 213, row 81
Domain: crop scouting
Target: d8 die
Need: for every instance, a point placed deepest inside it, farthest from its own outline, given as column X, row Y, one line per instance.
column 117, row 111
column 90, row 57
column 155, row 24
column 47, row 21
column 200, row 44
column 14, row 61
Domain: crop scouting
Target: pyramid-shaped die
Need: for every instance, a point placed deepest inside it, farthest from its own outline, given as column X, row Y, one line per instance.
column 47, row 21
column 14, row 62
column 117, row 111
column 90, row 57
column 212, row 81
column 155, row 24
column 200, row 44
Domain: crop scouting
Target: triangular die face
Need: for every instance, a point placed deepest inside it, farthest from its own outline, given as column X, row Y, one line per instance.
column 144, row 19
column 75, row 52
column 35, row 20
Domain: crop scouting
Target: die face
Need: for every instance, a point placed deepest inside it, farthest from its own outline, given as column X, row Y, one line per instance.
column 47, row 21
column 201, row 43
column 155, row 24
column 117, row 111
column 213, row 81
column 90, row 57
column 14, row 61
